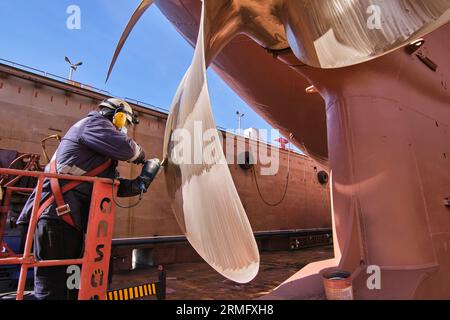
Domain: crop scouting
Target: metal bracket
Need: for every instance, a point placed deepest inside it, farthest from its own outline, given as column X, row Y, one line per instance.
column 427, row 61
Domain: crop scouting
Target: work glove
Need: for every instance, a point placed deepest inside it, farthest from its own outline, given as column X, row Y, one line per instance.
column 140, row 185
column 129, row 188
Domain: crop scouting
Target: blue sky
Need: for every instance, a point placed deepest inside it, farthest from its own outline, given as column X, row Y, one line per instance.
column 149, row 69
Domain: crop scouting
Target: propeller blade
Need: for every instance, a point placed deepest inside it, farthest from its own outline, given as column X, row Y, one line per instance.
column 336, row 33
column 211, row 215
column 145, row 4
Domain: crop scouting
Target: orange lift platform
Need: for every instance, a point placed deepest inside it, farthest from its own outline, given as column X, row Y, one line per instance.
column 95, row 260
column 95, row 263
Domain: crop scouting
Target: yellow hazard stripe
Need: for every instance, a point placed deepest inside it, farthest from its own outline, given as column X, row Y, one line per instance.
column 135, row 292
column 145, row 290
column 130, row 290
column 149, row 289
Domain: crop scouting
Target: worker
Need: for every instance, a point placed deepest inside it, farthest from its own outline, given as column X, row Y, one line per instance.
column 91, row 147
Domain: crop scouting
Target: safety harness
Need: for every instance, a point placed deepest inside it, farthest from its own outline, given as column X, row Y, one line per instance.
column 63, row 209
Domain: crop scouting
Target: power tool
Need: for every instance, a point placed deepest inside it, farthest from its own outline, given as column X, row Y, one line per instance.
column 148, row 173
column 138, row 186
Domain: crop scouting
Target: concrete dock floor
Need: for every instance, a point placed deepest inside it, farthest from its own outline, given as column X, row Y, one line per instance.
column 198, row 281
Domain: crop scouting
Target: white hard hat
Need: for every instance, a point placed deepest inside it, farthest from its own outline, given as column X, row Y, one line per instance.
column 115, row 104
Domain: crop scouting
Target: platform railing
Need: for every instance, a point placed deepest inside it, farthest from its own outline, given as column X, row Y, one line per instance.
column 94, row 263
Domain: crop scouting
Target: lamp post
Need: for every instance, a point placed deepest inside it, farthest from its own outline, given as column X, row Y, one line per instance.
column 239, row 115
column 73, row 67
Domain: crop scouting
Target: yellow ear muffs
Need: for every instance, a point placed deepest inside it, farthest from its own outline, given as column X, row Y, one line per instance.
column 119, row 120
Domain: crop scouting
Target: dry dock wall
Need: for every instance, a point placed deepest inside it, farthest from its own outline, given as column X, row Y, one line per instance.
column 33, row 107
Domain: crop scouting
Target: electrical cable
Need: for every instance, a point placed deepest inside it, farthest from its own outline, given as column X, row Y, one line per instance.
column 118, row 204
column 285, row 189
